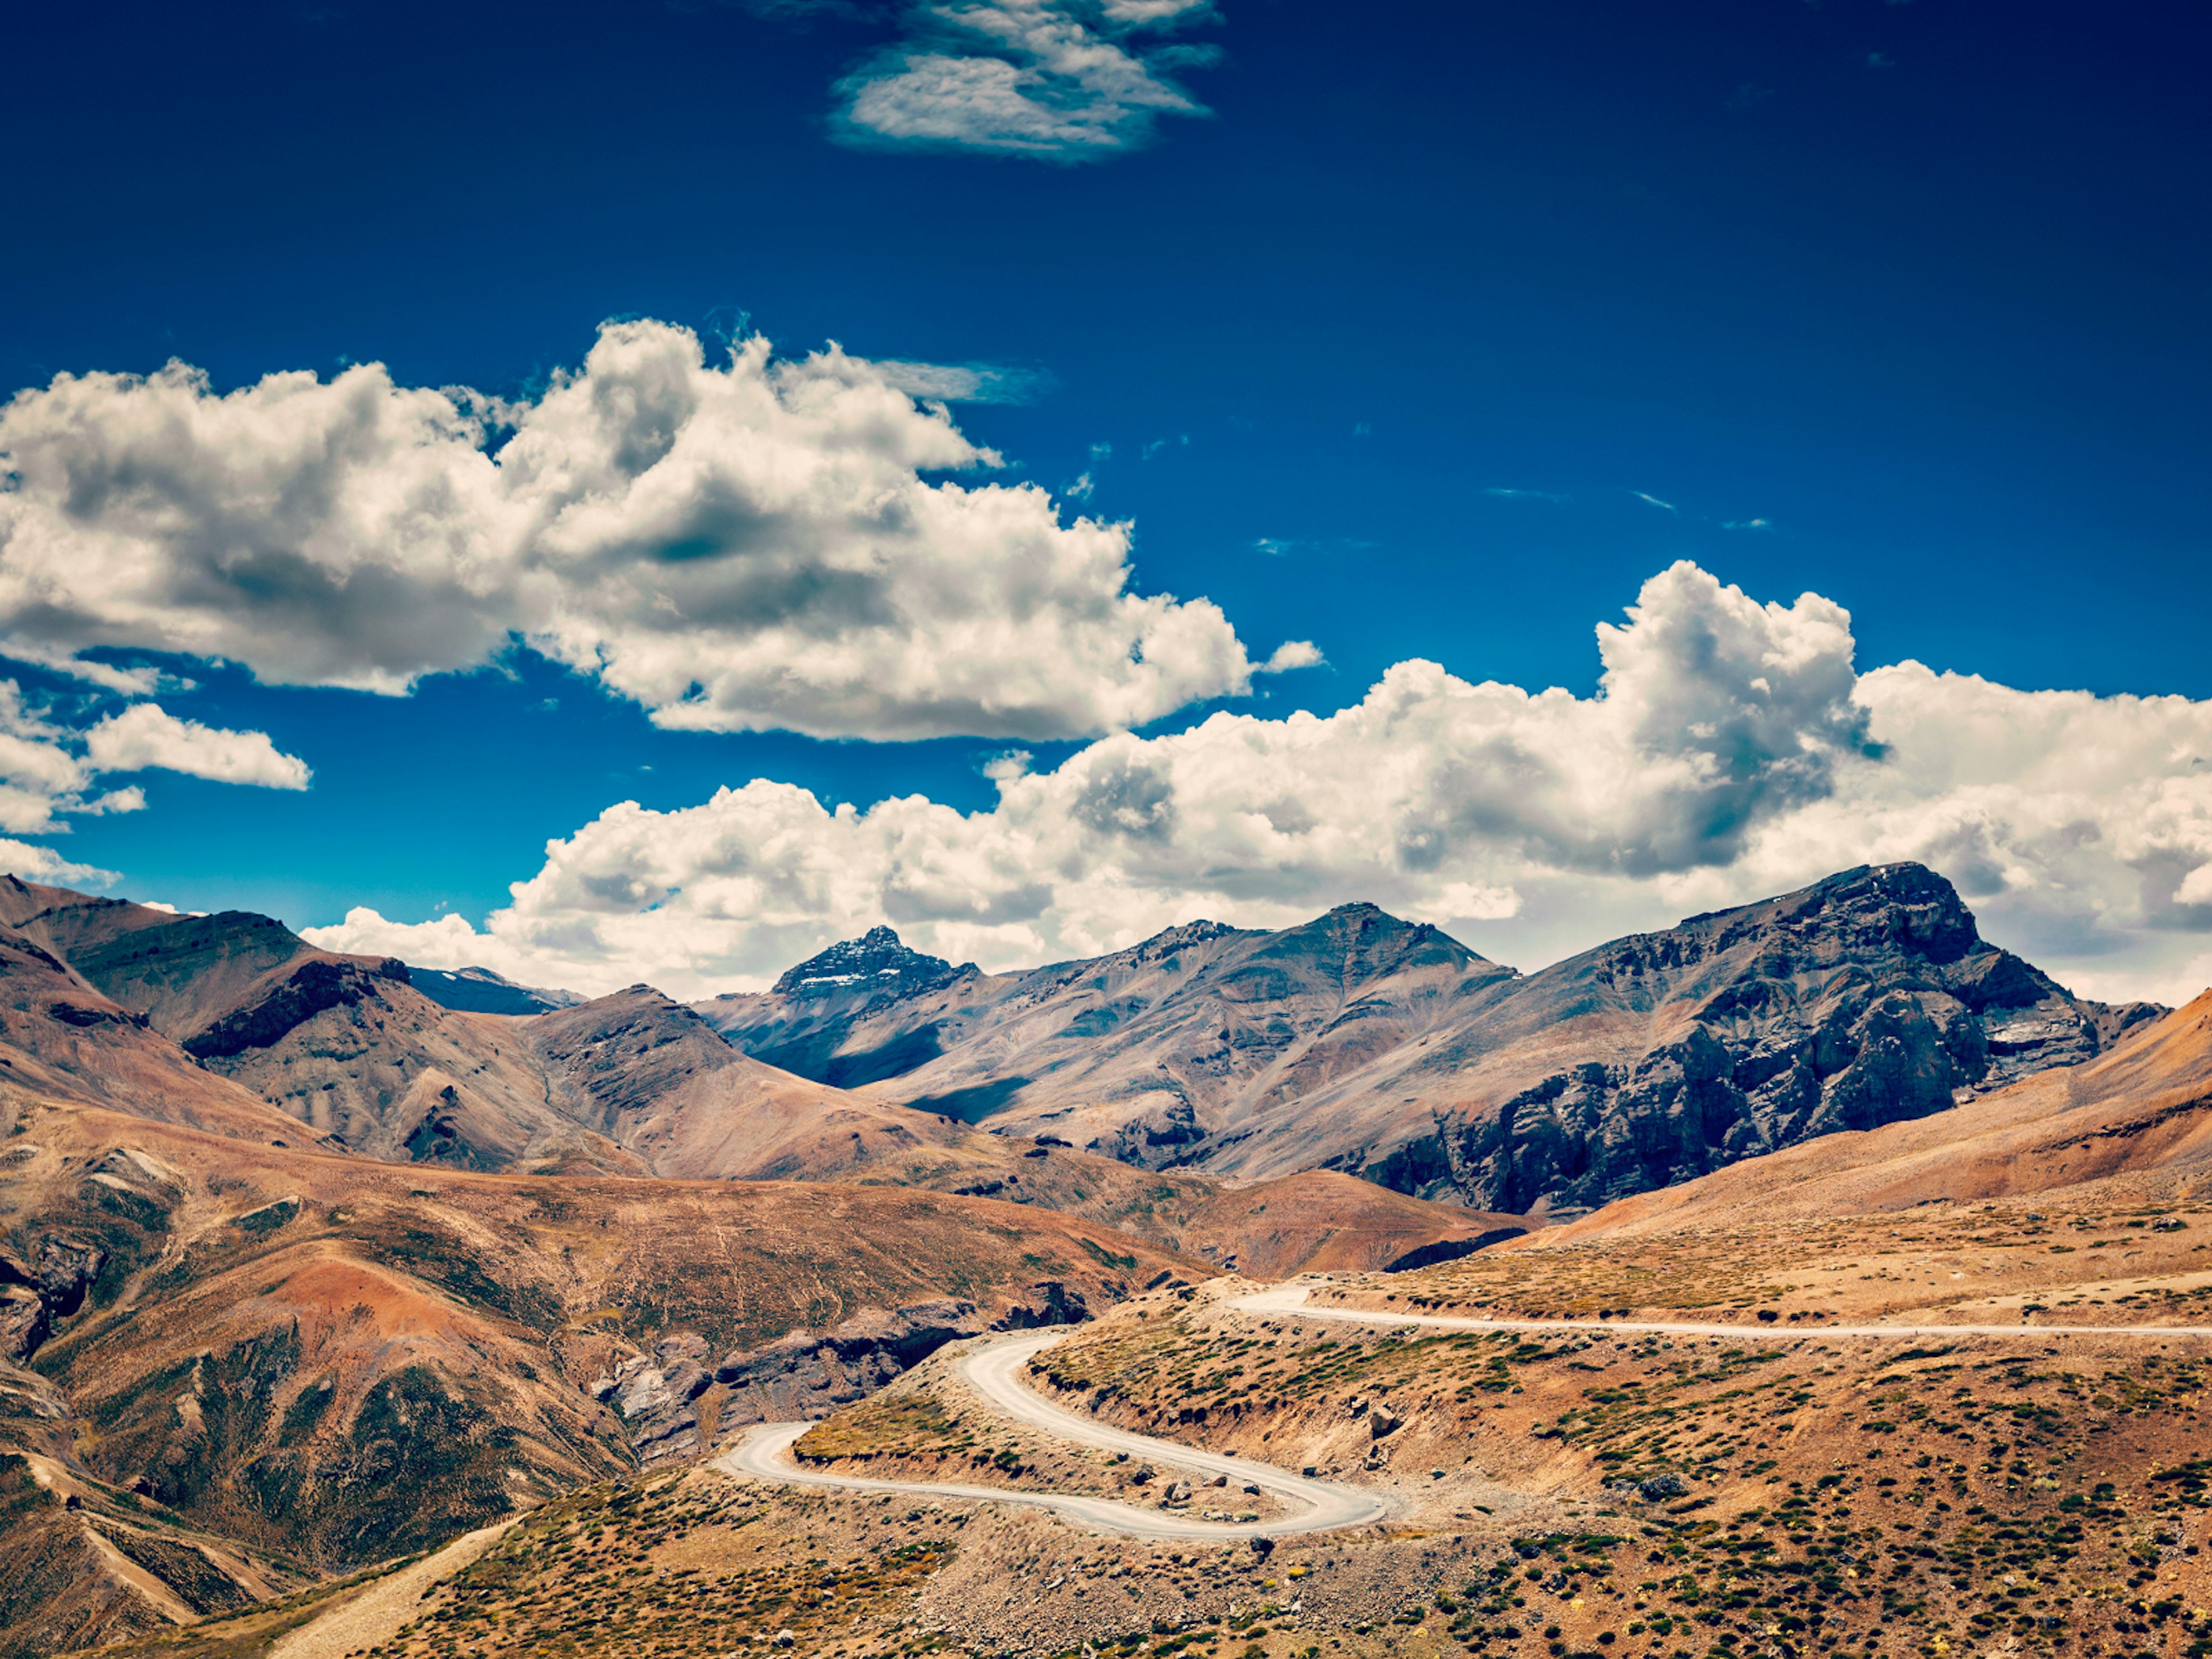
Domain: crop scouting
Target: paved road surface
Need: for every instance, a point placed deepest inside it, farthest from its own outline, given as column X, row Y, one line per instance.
column 995, row 1373
column 1289, row 1302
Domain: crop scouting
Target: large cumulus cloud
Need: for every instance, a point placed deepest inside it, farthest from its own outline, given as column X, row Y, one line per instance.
column 741, row 546
column 1732, row 751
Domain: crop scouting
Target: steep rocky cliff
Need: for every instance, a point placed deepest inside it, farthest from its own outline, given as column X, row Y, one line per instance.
column 1866, row 999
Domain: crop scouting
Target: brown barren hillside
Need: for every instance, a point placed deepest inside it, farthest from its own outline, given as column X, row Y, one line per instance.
column 61, row 1037
column 659, row 1081
column 1322, row 1222
column 325, row 1360
column 180, row 1017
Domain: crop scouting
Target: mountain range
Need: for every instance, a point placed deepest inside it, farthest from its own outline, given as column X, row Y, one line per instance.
column 1361, row 1043
column 302, row 1264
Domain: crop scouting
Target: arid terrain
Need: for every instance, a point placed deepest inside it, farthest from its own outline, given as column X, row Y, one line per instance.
column 1929, row 1387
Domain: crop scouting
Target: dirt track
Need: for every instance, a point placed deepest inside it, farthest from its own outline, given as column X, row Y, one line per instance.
column 1289, row 1300
column 994, row 1373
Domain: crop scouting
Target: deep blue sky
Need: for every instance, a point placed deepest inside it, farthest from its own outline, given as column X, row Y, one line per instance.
column 1924, row 286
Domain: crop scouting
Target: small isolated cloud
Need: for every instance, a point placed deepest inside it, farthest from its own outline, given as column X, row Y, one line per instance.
column 1745, row 524
column 1526, row 495
column 1052, row 80
column 967, row 383
column 147, row 735
column 1273, row 547
column 1363, row 428
column 1292, row 654
column 1081, row 489
column 1667, row 506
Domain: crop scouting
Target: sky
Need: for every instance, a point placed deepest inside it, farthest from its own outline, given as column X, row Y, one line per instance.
column 640, row 492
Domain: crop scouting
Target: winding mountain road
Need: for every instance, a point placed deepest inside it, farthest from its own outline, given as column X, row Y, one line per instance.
column 995, row 1373
column 1289, row 1302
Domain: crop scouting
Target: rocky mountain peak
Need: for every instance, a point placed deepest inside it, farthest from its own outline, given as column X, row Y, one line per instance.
column 1867, row 998
column 1181, row 937
column 876, row 960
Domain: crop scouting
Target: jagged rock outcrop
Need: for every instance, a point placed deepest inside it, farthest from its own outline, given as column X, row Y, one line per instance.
column 41, row 1288
column 810, row 1373
column 876, row 964
column 656, row 1396
column 1049, row 1303
column 1868, row 999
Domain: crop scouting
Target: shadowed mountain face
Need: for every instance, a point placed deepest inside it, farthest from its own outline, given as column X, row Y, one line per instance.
column 480, row 991
column 1367, row 1044
column 2138, row 1112
column 1866, row 999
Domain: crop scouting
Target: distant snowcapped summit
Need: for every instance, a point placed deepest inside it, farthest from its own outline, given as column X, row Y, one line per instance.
column 481, row 991
column 875, row 961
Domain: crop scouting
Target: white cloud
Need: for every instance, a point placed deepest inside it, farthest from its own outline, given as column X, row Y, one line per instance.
column 31, row 862
column 1718, row 716
column 741, row 547
column 146, row 735
column 965, row 383
column 1056, row 80
column 48, row 767
column 1732, row 752
column 1292, row 654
